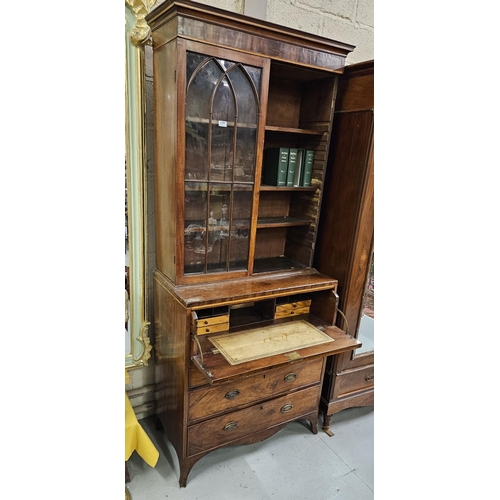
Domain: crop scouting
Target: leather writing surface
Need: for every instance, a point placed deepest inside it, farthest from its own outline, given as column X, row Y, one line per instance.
column 268, row 341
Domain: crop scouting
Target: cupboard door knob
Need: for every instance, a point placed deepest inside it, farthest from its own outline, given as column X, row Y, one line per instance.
column 290, row 377
column 369, row 377
column 206, row 322
column 286, row 408
column 207, row 330
column 230, row 426
column 294, row 305
column 232, row 394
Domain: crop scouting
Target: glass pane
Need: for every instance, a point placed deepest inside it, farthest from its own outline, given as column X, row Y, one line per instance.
column 198, row 101
column 255, row 76
column 245, row 97
column 192, row 62
column 224, row 117
column 366, row 324
column 196, row 151
column 225, row 64
column 246, row 142
column 218, row 229
column 240, row 227
column 247, row 108
column 195, row 221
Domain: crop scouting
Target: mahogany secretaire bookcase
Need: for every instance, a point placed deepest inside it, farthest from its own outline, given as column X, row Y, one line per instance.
column 243, row 323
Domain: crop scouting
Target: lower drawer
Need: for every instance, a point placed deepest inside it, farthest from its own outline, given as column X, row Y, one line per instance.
column 238, row 424
column 212, row 400
column 355, row 380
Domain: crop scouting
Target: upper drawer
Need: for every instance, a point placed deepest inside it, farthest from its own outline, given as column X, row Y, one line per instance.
column 292, row 309
column 238, row 424
column 211, row 400
column 211, row 320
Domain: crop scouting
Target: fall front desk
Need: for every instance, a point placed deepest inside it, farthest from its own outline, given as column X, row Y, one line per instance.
column 136, row 438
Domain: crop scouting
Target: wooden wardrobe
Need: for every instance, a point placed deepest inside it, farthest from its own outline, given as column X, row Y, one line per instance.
column 345, row 244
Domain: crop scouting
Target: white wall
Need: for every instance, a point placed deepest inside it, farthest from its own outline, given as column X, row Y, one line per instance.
column 349, row 21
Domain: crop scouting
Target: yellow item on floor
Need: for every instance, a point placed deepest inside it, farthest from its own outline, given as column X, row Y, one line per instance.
column 136, row 438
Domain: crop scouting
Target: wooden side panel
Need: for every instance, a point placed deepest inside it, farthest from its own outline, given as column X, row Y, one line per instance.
column 343, row 197
column 356, row 88
column 362, row 254
column 324, row 306
column 165, row 91
column 171, row 331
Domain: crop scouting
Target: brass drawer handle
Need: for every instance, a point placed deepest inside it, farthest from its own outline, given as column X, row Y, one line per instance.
column 369, row 377
column 232, row 394
column 290, row 377
column 230, row 426
column 286, row 408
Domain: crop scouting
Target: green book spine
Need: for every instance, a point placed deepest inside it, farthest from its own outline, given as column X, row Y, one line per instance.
column 276, row 166
column 292, row 163
column 299, row 168
column 308, row 168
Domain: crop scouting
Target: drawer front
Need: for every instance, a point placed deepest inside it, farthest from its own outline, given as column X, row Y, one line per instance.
column 355, row 380
column 292, row 309
column 232, row 426
column 206, row 329
column 209, row 320
column 286, row 313
column 211, row 400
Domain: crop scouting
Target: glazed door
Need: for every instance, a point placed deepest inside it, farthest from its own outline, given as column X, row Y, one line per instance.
column 223, row 109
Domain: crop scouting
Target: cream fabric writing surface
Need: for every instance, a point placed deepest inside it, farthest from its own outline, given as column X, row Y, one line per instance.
column 268, row 341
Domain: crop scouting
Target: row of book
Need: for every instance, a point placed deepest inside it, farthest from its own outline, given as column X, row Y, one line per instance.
column 288, row 167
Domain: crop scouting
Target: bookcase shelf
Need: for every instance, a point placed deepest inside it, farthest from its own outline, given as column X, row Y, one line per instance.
column 275, row 264
column 303, row 131
column 267, row 222
column 265, row 187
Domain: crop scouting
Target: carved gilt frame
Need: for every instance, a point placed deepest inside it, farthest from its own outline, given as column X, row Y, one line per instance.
column 137, row 33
